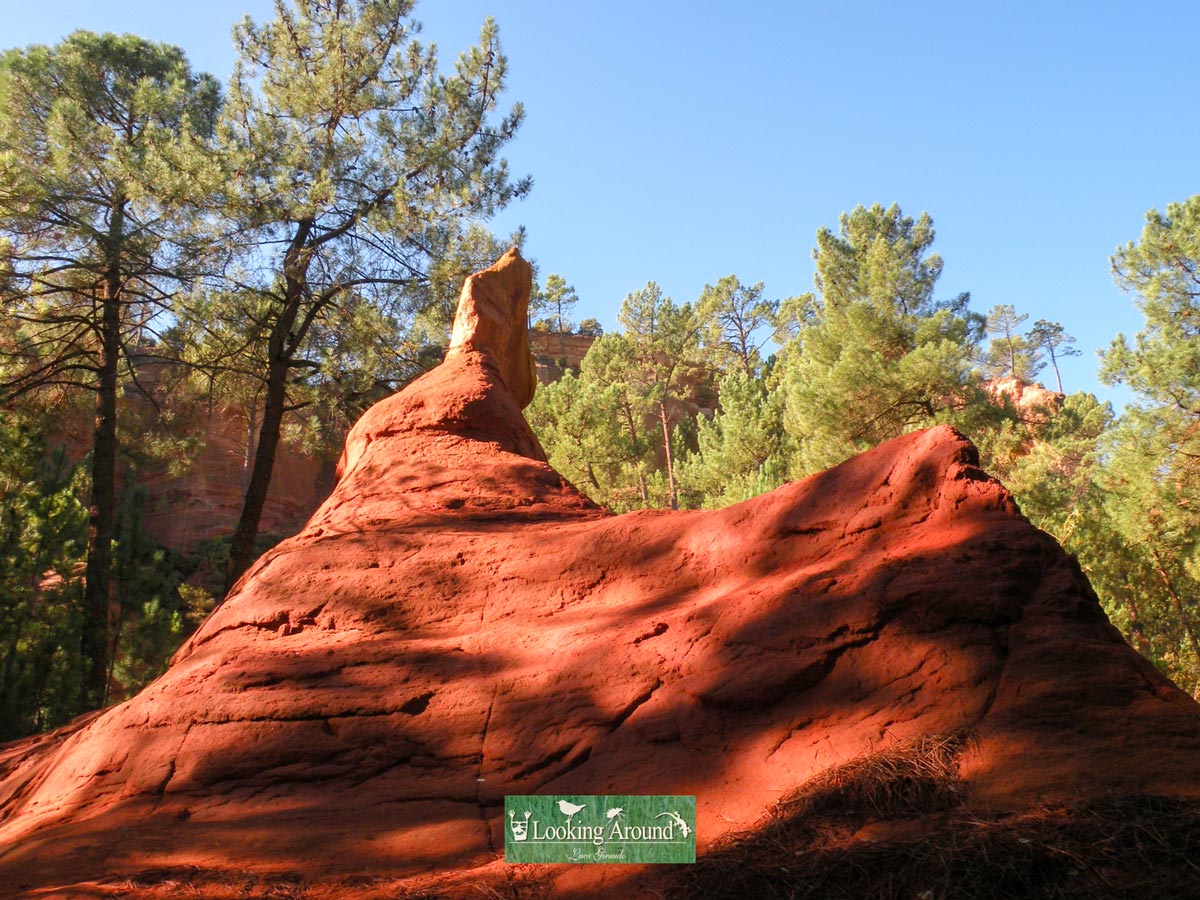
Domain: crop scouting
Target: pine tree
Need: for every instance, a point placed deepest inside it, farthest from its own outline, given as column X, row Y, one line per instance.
column 663, row 342
column 557, row 298
column 1009, row 352
column 634, row 390
column 1052, row 339
column 741, row 451
column 734, row 320
column 102, row 149
column 43, row 540
column 1152, row 471
column 592, row 437
column 873, row 354
column 350, row 154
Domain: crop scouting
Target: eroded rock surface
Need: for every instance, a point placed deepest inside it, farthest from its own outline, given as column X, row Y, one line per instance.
column 456, row 623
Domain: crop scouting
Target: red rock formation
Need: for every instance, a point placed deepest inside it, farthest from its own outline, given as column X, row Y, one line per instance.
column 548, row 351
column 206, row 500
column 1034, row 402
column 456, row 624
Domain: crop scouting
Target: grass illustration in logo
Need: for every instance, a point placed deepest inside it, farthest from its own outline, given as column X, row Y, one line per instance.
column 600, row 829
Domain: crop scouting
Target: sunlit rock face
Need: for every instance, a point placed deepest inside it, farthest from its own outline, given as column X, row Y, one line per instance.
column 456, row 623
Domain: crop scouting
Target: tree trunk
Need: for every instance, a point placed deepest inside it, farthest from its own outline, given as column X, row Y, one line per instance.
column 1054, row 363
column 102, row 506
column 251, row 431
column 662, row 415
column 241, row 548
column 280, row 346
column 631, row 427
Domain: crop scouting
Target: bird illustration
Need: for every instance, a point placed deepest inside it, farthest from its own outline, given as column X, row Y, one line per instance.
column 614, row 812
column 569, row 809
column 678, row 821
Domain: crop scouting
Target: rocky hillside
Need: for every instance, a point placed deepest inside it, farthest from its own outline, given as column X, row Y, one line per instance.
column 456, row 623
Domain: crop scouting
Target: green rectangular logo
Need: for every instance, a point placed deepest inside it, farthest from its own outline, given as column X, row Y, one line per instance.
column 591, row 829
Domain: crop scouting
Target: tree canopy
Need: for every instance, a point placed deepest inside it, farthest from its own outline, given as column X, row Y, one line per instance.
column 1151, row 476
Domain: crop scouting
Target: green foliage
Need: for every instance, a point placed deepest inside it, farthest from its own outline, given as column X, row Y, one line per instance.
column 640, row 427
column 634, row 390
column 591, row 327
column 1150, row 507
column 592, row 436
column 1051, row 339
column 151, row 617
column 1022, row 356
column 102, row 158
column 359, row 359
column 376, row 161
column 612, row 379
column 101, row 146
column 741, row 451
column 1162, row 363
column 43, row 540
column 1049, row 462
column 1151, row 476
column 661, row 367
column 1121, row 493
column 874, row 355
column 557, row 298
column 736, row 319
column 881, row 258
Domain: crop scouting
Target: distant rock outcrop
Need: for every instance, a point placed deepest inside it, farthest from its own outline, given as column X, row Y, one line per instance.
column 203, row 502
column 1032, row 401
column 456, row 623
column 550, row 349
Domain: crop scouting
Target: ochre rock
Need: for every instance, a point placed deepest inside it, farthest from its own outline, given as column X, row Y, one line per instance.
column 491, row 319
column 1032, row 401
column 456, row 623
column 205, row 501
column 550, row 348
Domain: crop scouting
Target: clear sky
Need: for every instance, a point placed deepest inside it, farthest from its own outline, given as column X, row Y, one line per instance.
column 683, row 141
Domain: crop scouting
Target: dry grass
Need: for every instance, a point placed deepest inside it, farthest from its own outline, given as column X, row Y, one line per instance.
column 916, row 778
column 211, row 884
column 516, row 883
column 816, row 843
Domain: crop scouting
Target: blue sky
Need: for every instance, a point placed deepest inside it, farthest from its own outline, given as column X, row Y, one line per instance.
column 680, row 142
